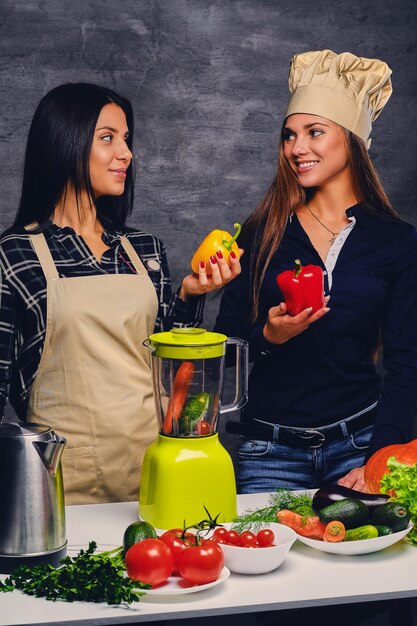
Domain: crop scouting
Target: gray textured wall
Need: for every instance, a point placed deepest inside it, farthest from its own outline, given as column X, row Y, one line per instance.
column 208, row 81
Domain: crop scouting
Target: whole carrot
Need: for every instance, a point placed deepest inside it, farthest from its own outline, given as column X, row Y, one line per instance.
column 182, row 381
column 305, row 526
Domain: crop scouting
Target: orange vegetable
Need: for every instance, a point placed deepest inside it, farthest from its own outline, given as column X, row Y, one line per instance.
column 376, row 465
column 217, row 240
column 182, row 382
column 335, row 531
column 305, row 526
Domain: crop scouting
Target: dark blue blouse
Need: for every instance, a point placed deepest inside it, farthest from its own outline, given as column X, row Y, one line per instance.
column 328, row 372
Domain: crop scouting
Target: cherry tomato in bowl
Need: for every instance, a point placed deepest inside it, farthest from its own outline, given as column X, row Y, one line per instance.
column 259, row 559
column 265, row 537
column 222, row 532
column 248, row 539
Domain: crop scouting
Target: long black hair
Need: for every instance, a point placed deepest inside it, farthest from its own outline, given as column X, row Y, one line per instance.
column 58, row 152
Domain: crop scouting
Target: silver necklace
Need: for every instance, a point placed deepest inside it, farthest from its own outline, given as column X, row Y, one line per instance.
column 334, row 235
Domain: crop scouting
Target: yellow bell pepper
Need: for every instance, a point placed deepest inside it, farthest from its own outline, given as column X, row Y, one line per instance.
column 216, row 240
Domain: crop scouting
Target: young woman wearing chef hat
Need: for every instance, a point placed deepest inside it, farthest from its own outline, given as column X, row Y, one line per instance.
column 317, row 408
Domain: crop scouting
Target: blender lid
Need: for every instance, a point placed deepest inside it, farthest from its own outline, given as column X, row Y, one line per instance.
column 188, row 343
column 21, row 429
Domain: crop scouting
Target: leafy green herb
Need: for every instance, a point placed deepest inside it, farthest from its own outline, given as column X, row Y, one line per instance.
column 90, row 577
column 403, row 480
column 255, row 519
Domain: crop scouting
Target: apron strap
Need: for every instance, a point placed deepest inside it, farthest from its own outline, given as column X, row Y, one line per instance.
column 43, row 252
column 133, row 256
column 47, row 263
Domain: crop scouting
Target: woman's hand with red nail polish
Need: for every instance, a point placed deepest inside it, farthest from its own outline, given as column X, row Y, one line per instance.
column 219, row 275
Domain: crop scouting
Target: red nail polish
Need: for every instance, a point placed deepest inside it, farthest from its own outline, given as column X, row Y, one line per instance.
column 219, row 254
column 233, row 254
column 213, row 259
column 202, row 265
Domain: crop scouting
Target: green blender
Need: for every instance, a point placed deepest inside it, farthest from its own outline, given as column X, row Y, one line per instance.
column 187, row 468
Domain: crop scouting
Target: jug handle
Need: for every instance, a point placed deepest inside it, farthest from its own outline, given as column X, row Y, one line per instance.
column 241, row 378
column 147, row 344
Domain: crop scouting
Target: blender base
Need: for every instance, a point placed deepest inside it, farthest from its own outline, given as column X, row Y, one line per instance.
column 181, row 476
column 8, row 562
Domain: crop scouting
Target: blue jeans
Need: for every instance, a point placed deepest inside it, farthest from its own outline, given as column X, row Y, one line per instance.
column 264, row 466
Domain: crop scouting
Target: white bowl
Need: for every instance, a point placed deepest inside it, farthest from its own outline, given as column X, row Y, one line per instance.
column 362, row 546
column 259, row 560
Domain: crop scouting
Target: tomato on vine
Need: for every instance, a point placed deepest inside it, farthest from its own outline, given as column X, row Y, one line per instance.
column 201, row 564
column 150, row 561
column 177, row 541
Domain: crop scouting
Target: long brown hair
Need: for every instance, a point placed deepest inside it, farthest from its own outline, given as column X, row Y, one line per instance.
column 265, row 227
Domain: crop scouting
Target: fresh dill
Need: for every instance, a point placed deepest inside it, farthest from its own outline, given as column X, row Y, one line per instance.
column 255, row 519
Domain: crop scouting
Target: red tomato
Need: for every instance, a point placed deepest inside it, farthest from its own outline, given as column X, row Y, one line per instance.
column 233, row 538
column 150, row 561
column 222, row 532
column 201, row 564
column 218, row 539
column 248, row 539
column 265, row 537
column 172, row 538
column 203, row 427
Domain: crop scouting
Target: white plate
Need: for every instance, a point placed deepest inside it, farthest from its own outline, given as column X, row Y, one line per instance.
column 178, row 586
column 363, row 546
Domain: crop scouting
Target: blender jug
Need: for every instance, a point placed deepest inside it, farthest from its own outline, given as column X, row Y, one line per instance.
column 187, row 468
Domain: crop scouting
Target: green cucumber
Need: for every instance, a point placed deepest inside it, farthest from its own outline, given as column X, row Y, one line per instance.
column 392, row 514
column 360, row 533
column 350, row 511
column 136, row 532
column 195, row 409
column 383, row 530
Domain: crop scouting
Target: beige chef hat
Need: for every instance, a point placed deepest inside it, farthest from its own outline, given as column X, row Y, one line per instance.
column 344, row 88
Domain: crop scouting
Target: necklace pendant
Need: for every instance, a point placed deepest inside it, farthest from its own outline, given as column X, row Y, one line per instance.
column 332, row 240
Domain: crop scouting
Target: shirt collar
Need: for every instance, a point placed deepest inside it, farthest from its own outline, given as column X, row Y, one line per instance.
column 356, row 210
column 111, row 235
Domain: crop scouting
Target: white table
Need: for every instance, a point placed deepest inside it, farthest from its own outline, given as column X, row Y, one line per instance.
column 308, row 578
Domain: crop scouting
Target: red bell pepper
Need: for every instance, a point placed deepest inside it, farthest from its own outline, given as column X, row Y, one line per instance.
column 302, row 287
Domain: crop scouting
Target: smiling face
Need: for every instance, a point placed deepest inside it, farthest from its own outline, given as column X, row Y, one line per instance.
column 315, row 149
column 110, row 155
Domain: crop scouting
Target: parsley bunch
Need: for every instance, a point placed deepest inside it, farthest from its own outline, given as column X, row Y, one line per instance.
column 87, row 576
column 403, row 480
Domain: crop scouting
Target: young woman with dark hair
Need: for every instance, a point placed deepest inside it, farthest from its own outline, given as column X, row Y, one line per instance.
column 58, row 151
column 317, row 409
column 80, row 292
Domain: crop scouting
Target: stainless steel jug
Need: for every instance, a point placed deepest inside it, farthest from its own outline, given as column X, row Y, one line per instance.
column 32, row 506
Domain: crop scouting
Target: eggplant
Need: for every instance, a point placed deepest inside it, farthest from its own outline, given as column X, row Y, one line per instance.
column 328, row 494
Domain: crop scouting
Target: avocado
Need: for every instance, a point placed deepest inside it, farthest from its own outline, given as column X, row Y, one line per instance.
column 351, row 512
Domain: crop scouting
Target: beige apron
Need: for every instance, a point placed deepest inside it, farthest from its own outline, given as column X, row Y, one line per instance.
column 94, row 383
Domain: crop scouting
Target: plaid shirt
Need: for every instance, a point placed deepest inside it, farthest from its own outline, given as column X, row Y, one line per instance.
column 23, row 295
